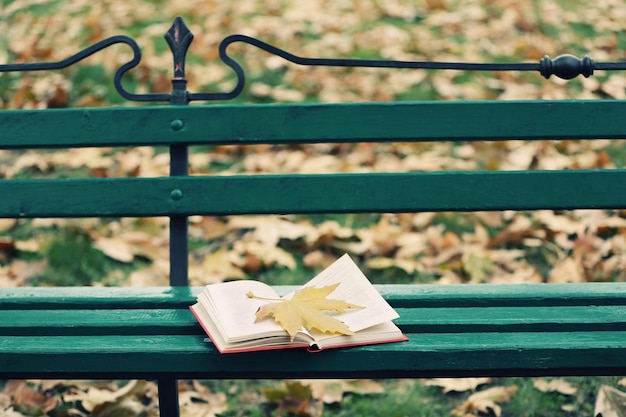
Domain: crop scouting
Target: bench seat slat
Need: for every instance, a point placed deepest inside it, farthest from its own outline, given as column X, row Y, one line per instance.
column 428, row 354
column 323, row 193
column 511, row 295
column 412, row 320
column 98, row 322
column 398, row 295
column 509, row 319
column 311, row 123
column 47, row 298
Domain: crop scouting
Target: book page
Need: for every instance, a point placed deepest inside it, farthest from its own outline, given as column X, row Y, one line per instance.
column 252, row 345
column 234, row 313
column 380, row 333
column 354, row 287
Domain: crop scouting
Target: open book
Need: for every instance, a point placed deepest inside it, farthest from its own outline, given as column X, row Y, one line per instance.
column 228, row 315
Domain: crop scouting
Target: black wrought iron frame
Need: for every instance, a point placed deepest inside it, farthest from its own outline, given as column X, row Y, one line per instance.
column 179, row 38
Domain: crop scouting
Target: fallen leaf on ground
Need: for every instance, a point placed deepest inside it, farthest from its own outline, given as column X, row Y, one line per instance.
column 306, row 309
column 332, row 390
column 200, row 401
column 556, row 385
column 6, row 224
column 28, row 400
column 483, row 401
column 7, row 244
column 115, row 249
column 293, row 398
column 457, row 384
column 268, row 255
column 30, row 245
column 94, row 397
column 569, row 270
column 19, row 271
column 610, row 402
column 215, row 267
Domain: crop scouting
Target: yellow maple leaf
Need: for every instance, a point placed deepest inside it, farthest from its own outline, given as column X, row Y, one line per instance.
column 306, row 309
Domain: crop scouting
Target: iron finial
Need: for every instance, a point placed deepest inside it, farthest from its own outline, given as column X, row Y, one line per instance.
column 179, row 38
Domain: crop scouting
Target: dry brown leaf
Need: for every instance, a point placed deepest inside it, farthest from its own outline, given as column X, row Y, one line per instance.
column 115, row 248
column 610, row 402
column 483, row 401
column 306, row 309
column 457, row 384
column 410, row 266
column 318, row 259
column 28, row 400
column 150, row 277
column 7, row 245
column 267, row 255
column 328, row 232
column 6, row 224
column 30, row 245
column 201, row 402
column 555, row 385
column 568, row 270
column 20, row 271
column 207, row 227
column 331, row 391
column 294, row 398
column 559, row 223
column 94, row 397
column 215, row 267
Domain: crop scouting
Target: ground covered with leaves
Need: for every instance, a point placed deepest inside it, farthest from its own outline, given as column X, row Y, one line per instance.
column 509, row 247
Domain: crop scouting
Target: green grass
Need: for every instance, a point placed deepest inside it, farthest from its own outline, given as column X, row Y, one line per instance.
column 71, row 258
column 530, row 402
column 73, row 261
column 424, row 91
column 413, row 400
column 284, row 276
column 617, row 152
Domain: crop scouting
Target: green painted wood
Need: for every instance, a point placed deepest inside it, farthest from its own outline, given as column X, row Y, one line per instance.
column 453, row 330
column 63, row 298
column 399, row 296
column 512, row 319
column 429, row 354
column 93, row 322
column 412, row 320
column 338, row 193
column 299, row 123
column 503, row 295
column 548, row 329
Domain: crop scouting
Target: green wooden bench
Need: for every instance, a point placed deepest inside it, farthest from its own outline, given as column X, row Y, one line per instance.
column 454, row 331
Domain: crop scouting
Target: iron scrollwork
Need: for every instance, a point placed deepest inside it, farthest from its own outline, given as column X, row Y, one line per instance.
column 179, row 38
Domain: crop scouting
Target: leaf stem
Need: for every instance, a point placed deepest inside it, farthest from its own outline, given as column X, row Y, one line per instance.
column 250, row 294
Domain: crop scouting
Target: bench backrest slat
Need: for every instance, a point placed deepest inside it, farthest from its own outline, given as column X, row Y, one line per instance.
column 310, row 123
column 294, row 194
